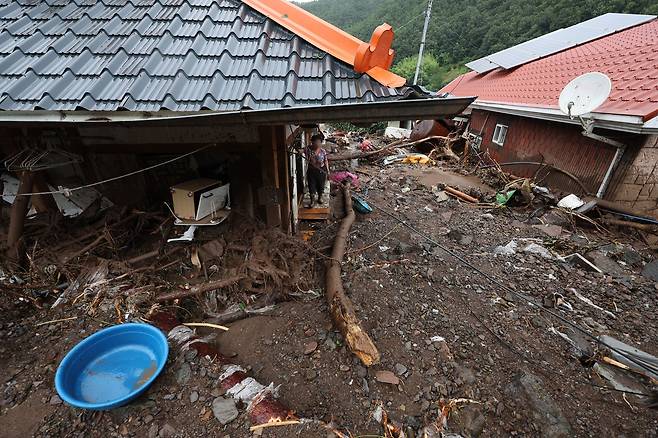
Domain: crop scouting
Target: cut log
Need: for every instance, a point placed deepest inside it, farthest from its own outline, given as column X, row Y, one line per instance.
column 199, row 289
column 340, row 306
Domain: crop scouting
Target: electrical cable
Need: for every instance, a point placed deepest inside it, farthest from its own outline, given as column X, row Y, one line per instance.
column 409, row 22
column 67, row 192
column 506, row 288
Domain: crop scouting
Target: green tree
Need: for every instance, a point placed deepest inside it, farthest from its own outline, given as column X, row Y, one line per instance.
column 461, row 31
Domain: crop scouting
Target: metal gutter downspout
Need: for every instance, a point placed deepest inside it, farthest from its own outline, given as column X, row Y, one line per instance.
column 621, row 148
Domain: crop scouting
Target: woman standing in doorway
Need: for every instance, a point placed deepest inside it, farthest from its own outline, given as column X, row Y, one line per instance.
column 318, row 169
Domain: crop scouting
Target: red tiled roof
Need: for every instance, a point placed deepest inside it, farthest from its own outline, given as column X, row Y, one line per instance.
column 629, row 58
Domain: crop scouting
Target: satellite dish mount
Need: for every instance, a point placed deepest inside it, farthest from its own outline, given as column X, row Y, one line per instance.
column 583, row 95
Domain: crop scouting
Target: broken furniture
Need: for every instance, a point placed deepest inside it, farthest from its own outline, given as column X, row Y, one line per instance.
column 199, row 202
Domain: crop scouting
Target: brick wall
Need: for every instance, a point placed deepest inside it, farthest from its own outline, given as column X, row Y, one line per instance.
column 564, row 146
column 638, row 187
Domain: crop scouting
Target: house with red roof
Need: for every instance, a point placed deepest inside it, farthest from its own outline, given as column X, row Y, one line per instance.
column 613, row 151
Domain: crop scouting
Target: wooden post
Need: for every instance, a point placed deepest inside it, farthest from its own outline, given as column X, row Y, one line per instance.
column 283, row 162
column 15, row 247
column 43, row 203
column 269, row 195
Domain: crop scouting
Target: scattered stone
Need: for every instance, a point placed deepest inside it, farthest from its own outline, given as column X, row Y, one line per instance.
column 387, row 377
column 148, row 418
column 361, row 371
column 544, row 410
column 460, row 238
column 554, row 231
column 469, row 420
column 650, row 271
column 190, row 354
column 167, row 431
column 194, row 396
column 344, row 368
column 224, row 410
column 153, row 431
column 310, row 347
column 184, row 373
column 604, row 263
column 55, row 400
column 400, row 369
column 311, row 375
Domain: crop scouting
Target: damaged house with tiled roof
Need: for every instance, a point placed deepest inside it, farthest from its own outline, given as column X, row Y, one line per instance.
column 127, row 84
column 517, row 121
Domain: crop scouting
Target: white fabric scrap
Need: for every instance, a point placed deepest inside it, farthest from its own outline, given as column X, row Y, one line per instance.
column 571, row 202
column 246, row 390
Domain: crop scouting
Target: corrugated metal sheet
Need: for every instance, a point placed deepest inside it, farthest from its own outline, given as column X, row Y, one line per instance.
column 558, row 40
column 152, row 55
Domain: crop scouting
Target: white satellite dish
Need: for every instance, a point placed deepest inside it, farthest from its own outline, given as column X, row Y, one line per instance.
column 584, row 94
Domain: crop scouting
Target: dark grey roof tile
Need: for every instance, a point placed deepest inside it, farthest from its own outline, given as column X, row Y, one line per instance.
column 153, row 55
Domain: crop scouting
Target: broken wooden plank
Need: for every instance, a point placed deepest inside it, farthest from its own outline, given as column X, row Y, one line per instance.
column 461, row 195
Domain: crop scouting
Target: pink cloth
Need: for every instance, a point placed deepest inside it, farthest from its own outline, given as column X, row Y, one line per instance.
column 343, row 175
column 365, row 145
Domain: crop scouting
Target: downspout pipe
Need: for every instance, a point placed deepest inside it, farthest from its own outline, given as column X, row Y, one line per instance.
column 619, row 153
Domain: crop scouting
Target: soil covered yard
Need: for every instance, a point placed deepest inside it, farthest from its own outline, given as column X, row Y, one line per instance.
column 460, row 355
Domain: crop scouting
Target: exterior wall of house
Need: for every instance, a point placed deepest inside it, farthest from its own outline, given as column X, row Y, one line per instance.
column 550, row 143
column 638, row 187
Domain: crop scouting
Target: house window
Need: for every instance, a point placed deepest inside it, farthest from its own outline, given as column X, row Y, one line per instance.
column 499, row 134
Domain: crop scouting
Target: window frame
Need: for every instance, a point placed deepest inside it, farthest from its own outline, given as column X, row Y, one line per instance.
column 496, row 137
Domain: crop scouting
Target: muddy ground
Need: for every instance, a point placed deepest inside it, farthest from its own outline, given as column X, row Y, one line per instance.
column 499, row 352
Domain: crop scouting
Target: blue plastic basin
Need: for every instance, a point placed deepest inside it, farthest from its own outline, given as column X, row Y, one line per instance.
column 111, row 367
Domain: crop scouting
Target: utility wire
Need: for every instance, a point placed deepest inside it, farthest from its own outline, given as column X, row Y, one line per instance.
column 67, row 192
column 422, row 14
column 506, row 288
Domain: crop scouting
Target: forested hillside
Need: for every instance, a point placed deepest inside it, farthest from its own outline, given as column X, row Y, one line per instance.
column 462, row 30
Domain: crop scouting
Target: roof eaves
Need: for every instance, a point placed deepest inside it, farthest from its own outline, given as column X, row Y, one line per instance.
column 617, row 122
column 373, row 58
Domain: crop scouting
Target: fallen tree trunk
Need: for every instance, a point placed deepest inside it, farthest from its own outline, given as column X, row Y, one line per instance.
column 198, row 290
column 639, row 226
column 397, row 143
column 340, row 306
column 357, row 155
